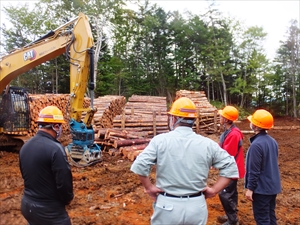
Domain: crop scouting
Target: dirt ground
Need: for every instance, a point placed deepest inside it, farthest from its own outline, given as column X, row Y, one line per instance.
column 109, row 194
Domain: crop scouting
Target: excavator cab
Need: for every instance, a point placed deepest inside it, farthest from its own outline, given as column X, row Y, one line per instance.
column 14, row 118
column 14, row 110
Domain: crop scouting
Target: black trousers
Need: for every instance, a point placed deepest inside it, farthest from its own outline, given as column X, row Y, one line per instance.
column 264, row 209
column 229, row 199
column 37, row 213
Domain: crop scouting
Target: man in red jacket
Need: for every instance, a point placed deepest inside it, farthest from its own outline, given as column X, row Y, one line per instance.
column 231, row 140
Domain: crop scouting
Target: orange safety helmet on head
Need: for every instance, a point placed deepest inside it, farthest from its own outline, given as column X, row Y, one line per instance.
column 230, row 113
column 262, row 118
column 183, row 107
column 50, row 114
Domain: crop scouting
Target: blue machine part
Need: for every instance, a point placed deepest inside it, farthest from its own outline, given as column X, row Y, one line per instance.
column 81, row 135
column 83, row 151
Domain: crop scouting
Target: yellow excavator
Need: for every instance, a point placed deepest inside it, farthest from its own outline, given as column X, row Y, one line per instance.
column 78, row 44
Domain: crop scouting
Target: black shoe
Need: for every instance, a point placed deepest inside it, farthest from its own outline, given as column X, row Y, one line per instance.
column 227, row 223
column 222, row 219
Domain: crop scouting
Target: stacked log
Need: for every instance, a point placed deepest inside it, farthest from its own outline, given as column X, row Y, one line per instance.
column 108, row 107
column 126, row 142
column 39, row 101
column 142, row 118
column 124, row 127
column 144, row 113
column 207, row 120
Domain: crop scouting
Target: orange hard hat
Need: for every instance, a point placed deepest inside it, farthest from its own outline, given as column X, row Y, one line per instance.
column 230, row 113
column 50, row 114
column 262, row 118
column 183, row 107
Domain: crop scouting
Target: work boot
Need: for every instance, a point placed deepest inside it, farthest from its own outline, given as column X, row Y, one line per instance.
column 227, row 223
column 222, row 219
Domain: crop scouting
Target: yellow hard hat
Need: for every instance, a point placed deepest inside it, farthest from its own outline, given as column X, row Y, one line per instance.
column 50, row 114
column 230, row 113
column 183, row 107
column 262, row 118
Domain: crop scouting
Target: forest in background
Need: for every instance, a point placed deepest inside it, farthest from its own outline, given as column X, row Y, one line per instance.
column 150, row 51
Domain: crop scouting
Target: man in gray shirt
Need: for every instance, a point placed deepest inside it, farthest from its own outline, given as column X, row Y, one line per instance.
column 183, row 160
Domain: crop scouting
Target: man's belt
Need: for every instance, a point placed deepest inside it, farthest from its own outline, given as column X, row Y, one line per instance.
column 184, row 196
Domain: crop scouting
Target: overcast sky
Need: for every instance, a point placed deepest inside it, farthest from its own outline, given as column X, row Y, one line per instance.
column 273, row 15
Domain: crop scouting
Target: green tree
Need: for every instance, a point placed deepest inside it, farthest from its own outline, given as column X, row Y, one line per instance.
column 26, row 27
column 252, row 65
column 218, row 52
column 287, row 67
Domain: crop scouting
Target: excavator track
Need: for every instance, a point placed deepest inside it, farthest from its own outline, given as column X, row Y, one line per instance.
column 12, row 142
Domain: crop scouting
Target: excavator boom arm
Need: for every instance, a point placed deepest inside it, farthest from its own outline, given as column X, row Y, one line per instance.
column 81, row 69
column 48, row 47
column 78, row 45
column 25, row 59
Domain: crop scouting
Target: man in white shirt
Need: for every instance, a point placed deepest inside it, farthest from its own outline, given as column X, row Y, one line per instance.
column 183, row 160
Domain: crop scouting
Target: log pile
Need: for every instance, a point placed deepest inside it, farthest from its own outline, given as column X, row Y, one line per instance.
column 39, row 101
column 144, row 113
column 142, row 118
column 127, row 142
column 108, row 107
column 124, row 127
column 207, row 120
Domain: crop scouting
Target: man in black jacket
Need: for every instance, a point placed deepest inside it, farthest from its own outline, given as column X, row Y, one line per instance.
column 48, row 184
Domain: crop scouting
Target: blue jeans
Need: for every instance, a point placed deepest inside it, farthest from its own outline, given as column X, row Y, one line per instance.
column 264, row 209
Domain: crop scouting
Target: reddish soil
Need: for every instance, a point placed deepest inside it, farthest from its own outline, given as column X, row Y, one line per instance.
column 109, row 194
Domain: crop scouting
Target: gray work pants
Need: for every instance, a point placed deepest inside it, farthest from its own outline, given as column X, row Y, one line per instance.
column 185, row 211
